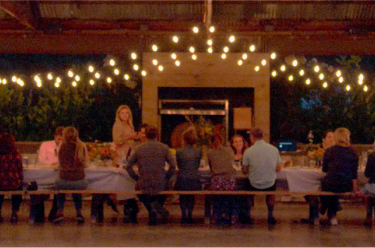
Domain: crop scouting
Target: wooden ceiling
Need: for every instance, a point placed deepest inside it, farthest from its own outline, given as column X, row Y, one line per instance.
column 310, row 27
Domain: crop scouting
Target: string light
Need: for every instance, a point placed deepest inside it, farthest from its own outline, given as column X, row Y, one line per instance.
column 283, row 68
column 91, row 68
column 135, row 67
column 317, row 68
column 244, row 56
column 240, row 62
column 116, row 71
column 192, row 49
column 341, row 79
column 360, row 82
column 361, row 77
column 14, row 79
column 338, row 73
column 154, row 48
column 325, row 85
column 133, row 56
column 49, row 76
column 232, row 39
column 295, row 63
column 97, row 75
column 256, row 68
column 252, row 48
column 36, row 78
column 210, row 50
column 154, row 62
column 70, row 74
column 290, row 78
column 365, row 88
column 175, row 39
column 273, row 55
column 109, row 80
column 223, row 56
column 321, row 76
column 195, row 30
column 212, row 29
column 308, row 81
column 161, row 68
column 264, row 62
column 126, row 77
column 173, row 56
column 301, row 72
column 112, row 62
column 77, row 78
column 144, row 73
column 74, row 83
column 226, row 49
column 274, row 73
column 20, row 82
column 177, row 63
column 58, row 80
column 4, row 81
column 57, row 85
column 347, row 88
column 209, row 42
column 194, row 57
column 92, row 82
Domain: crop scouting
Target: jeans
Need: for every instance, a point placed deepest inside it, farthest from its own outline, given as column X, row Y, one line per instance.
column 16, row 202
column 70, row 185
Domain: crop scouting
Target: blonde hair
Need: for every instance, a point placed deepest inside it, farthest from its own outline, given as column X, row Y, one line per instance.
column 342, row 136
column 130, row 120
column 70, row 135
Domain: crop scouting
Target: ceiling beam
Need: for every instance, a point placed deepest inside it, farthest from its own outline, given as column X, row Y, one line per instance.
column 21, row 11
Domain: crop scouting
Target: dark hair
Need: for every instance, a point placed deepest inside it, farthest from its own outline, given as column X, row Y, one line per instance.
column 326, row 133
column 59, row 130
column 190, row 137
column 143, row 125
column 151, row 132
column 8, row 145
column 256, row 132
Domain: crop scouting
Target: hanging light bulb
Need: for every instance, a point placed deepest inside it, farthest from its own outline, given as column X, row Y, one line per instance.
column 70, row 74
column 209, row 42
column 192, row 49
column 365, row 88
column 232, row 39
column 74, row 83
column 97, row 75
column 133, row 56
column 244, row 56
column 308, row 81
column 321, row 76
column 92, row 82
column 338, row 73
column 226, row 49
column 36, row 78
column 154, row 48
column 194, row 57
column 112, row 62
column 361, row 77
column 173, row 56
column 264, row 62
column 155, row 62
column 77, row 78
column 295, row 63
column 175, row 39
column 4, row 81
column 144, row 73
column 161, row 68
column 57, row 85
column 58, row 80
column 14, row 79
column 109, row 80
column 177, row 63
column 348, row 88
column 274, row 73
column 212, row 29
column 301, row 72
column 223, row 56
column 126, row 77
column 257, row 68
column 91, row 68
column 273, row 55
column 317, row 68
column 240, row 62
column 210, row 50
column 116, row 71
column 49, row 76
column 195, row 30
column 135, row 67
column 325, row 85
column 341, row 79
column 290, row 78
column 283, row 68
column 252, row 48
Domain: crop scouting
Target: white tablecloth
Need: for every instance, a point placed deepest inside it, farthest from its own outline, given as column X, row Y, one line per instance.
column 101, row 178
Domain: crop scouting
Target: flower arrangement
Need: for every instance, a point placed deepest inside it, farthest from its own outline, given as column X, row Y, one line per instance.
column 316, row 154
column 102, row 151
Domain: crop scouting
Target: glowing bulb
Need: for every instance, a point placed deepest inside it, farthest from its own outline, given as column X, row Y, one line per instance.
column 290, row 78
column 209, row 42
column 136, row 67
column 49, row 76
column 365, row 88
column 57, row 85
column 155, row 62
column 301, row 72
column 144, row 73
column 116, row 71
column 112, row 62
column 325, row 84
column 226, row 49
column 126, row 77
column 36, row 78
column 77, row 78
column 109, row 80
column 192, row 49
column 4, row 81
column 264, row 62
column 212, row 29
column 321, row 76
column 74, row 83
column 210, row 50
column 252, row 48
column 133, row 55
column 244, row 56
column 257, row 68
column 14, row 79
column 97, row 75
column 177, row 63
column 240, row 62
column 70, row 74
column 39, row 84
column 173, row 56
column 58, row 80
column 232, row 39
column 341, row 79
column 223, row 56
column 92, row 82
column 360, row 82
column 295, row 63
column 274, row 73
column 20, row 82
column 195, row 30
column 347, row 87
column 154, row 48
column 273, row 55
column 175, row 39
column 361, row 77
column 317, row 68
column 91, row 68
column 161, row 68
column 338, row 73
column 308, row 81
column 194, row 57
column 283, row 68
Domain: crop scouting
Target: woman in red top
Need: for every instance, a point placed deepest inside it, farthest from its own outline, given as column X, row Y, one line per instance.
column 11, row 174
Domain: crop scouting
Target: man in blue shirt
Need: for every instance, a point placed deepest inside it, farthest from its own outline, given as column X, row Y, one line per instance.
column 261, row 162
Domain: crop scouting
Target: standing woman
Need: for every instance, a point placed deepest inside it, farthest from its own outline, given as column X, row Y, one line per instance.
column 11, row 174
column 73, row 158
column 340, row 162
column 188, row 161
column 123, row 135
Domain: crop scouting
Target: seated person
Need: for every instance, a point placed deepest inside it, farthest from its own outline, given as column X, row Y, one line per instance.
column 48, row 149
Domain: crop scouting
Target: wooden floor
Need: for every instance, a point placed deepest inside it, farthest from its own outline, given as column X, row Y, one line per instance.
column 286, row 233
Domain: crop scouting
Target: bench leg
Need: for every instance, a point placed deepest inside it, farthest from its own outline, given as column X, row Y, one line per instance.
column 207, row 209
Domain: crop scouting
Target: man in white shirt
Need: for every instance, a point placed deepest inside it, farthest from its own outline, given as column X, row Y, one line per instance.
column 48, row 149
